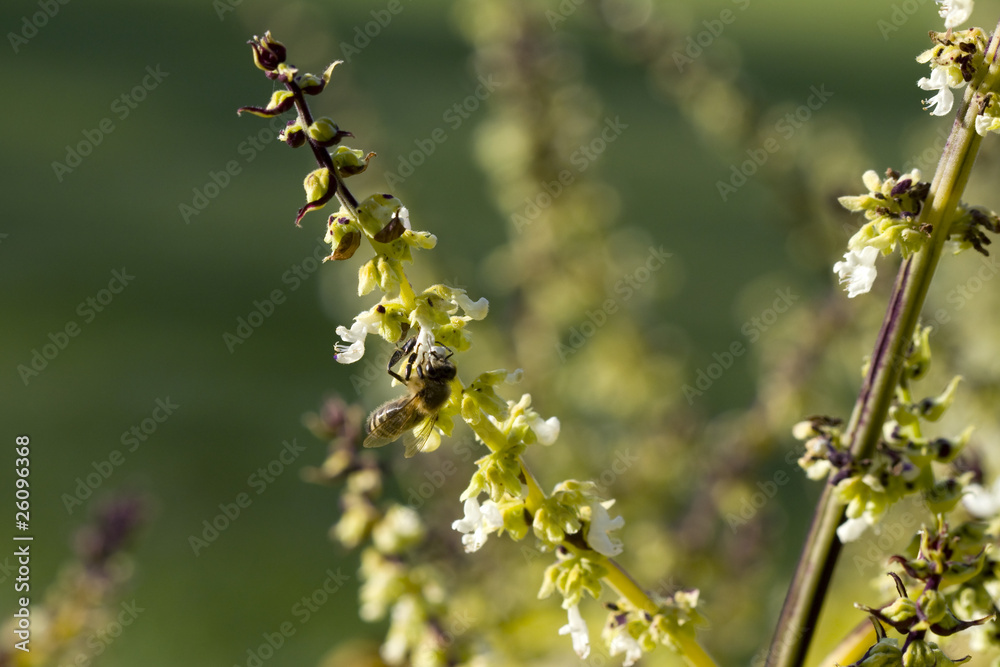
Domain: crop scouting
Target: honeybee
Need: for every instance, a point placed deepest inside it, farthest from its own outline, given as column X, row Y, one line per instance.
column 416, row 413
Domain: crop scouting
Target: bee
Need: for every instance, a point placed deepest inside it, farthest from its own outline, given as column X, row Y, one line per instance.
column 415, row 413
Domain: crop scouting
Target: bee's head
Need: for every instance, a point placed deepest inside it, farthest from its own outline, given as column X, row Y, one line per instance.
column 436, row 363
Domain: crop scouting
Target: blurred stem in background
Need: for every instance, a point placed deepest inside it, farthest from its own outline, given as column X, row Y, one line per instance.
column 80, row 616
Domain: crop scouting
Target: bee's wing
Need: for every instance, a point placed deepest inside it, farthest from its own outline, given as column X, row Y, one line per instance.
column 403, row 418
column 423, row 438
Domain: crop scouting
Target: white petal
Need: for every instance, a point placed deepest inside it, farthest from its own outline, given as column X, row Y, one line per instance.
column 852, row 529
column 955, row 12
column 941, row 80
column 477, row 310
column 349, row 354
column 623, row 642
column 546, row 430
column 492, row 519
column 941, row 104
column 471, row 519
column 478, row 523
column 577, row 629
column 980, row 502
column 601, row 524
column 857, row 270
column 937, row 80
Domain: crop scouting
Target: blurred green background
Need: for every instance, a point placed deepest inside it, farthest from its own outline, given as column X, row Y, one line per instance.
column 162, row 337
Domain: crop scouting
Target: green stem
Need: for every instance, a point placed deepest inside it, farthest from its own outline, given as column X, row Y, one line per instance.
column 819, row 556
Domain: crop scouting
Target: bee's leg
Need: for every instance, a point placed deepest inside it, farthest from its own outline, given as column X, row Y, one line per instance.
column 409, row 367
column 398, row 354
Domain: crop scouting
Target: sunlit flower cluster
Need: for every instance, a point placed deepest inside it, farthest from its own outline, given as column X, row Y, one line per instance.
column 954, row 59
column 891, row 208
column 904, row 460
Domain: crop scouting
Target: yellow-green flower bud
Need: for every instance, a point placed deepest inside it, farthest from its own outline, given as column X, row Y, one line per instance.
column 933, row 605
column 350, row 162
column 318, row 191
column 931, row 409
column 312, row 84
column 514, row 518
column 368, row 277
column 292, row 134
column 901, row 611
column 885, row 653
column 317, row 184
column 927, row 654
column 919, row 360
column 388, row 274
column 326, row 133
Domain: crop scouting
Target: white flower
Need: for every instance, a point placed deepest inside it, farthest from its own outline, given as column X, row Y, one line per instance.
column 852, row 529
column 477, row 310
column 857, row 270
column 623, row 642
column 982, row 503
column 365, row 323
column 955, row 12
column 601, row 524
column 577, row 630
column 987, row 123
column 478, row 523
column 546, row 430
column 941, row 80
